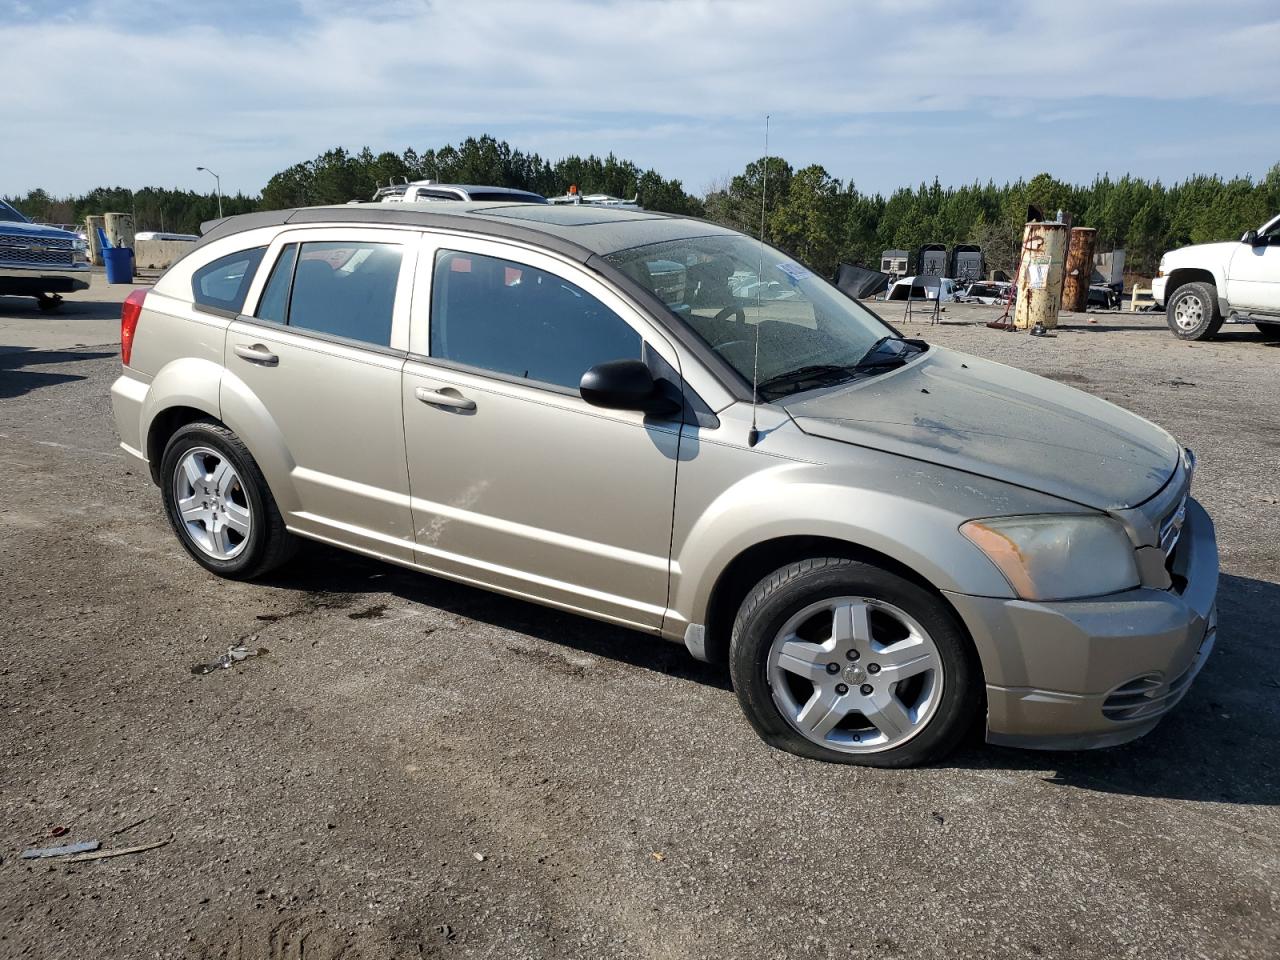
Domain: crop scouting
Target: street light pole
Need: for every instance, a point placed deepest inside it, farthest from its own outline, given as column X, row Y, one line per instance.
column 217, row 185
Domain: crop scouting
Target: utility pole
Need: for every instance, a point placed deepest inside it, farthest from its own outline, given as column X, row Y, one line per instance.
column 217, row 181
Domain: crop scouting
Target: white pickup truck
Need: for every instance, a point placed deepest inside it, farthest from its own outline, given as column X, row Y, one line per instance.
column 1204, row 286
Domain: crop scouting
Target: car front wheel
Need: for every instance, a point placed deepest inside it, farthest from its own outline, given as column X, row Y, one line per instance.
column 1193, row 312
column 219, row 504
column 840, row 660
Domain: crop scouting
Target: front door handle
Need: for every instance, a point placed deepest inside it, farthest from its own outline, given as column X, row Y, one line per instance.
column 256, row 353
column 444, row 398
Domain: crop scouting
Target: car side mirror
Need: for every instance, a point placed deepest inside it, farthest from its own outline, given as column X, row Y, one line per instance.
column 1250, row 237
column 625, row 385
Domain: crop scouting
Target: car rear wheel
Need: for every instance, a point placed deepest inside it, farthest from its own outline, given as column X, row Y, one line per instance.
column 219, row 504
column 840, row 660
column 1193, row 312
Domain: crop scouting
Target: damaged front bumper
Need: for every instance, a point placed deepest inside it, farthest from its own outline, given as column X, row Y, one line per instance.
column 1093, row 673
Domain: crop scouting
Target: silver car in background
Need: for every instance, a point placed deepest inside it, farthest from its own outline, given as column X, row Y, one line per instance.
column 890, row 543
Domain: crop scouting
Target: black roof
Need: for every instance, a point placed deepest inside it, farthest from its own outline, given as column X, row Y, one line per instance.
column 577, row 231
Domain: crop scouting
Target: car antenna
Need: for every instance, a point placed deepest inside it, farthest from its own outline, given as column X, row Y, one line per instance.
column 753, row 435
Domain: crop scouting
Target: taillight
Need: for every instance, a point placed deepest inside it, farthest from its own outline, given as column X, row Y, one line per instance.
column 129, row 313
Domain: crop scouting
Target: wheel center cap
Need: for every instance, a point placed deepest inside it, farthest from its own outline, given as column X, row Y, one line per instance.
column 854, row 675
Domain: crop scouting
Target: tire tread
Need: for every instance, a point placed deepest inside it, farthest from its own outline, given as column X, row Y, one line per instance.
column 928, row 746
column 279, row 545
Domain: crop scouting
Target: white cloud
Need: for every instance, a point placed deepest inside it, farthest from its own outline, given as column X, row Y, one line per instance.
column 138, row 91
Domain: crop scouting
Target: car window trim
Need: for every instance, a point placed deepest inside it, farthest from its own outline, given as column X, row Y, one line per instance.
column 215, row 311
column 321, row 336
column 651, row 332
column 498, row 375
column 540, row 384
column 408, row 239
column 293, row 272
column 228, row 311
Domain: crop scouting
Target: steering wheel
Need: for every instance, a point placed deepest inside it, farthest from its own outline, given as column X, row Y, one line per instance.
column 729, row 311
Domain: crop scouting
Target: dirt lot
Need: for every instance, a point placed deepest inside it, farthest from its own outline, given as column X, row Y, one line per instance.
column 417, row 768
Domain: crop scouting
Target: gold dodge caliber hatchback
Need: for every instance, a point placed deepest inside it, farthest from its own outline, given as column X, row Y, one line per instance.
column 886, row 540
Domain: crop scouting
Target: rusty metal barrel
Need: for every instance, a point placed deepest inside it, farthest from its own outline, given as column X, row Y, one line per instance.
column 1044, row 248
column 1079, row 269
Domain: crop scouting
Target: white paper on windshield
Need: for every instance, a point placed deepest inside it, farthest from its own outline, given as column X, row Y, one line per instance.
column 794, row 271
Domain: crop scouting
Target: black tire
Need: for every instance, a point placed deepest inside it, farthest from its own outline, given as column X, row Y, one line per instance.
column 1270, row 331
column 48, row 302
column 269, row 544
column 788, row 591
column 1199, row 298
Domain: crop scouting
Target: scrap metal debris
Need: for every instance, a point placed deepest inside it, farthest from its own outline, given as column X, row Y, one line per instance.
column 40, row 853
column 234, row 655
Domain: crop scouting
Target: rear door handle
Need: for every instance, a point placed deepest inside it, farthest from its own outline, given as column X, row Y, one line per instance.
column 256, row 353
column 439, row 398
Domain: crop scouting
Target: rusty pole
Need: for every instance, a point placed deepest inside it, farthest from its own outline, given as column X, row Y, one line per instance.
column 1044, row 246
column 1079, row 269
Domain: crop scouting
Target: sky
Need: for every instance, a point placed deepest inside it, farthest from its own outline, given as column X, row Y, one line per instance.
column 141, row 92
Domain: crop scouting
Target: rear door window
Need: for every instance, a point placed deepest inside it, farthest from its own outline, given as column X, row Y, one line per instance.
column 343, row 288
column 274, row 305
column 513, row 319
column 224, row 283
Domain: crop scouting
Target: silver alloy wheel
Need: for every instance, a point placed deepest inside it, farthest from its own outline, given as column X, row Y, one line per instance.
column 1188, row 312
column 855, row 674
column 212, row 503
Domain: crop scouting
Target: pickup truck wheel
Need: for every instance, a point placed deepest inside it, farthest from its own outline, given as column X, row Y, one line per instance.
column 839, row 660
column 1270, row 331
column 219, row 504
column 48, row 302
column 1193, row 312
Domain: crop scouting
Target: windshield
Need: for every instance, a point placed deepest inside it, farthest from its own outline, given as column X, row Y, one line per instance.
column 728, row 288
column 7, row 213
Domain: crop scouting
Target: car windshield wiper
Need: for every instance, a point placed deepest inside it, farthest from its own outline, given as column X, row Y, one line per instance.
column 801, row 378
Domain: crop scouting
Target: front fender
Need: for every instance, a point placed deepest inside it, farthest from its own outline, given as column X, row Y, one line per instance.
column 913, row 520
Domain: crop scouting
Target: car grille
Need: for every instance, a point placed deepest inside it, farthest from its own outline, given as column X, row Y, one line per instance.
column 1149, row 695
column 41, row 251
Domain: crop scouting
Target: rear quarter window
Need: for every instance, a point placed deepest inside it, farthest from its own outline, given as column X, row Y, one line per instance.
column 224, row 283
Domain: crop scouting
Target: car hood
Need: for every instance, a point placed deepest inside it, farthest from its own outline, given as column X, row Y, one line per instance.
column 1195, row 255
column 998, row 422
column 34, row 230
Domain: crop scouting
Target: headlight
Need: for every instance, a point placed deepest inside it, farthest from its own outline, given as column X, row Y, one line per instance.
column 1057, row 557
column 79, row 250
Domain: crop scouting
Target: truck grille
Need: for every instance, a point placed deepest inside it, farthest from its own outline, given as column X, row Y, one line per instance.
column 37, row 251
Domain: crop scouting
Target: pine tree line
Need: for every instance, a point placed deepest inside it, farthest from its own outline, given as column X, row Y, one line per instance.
column 815, row 217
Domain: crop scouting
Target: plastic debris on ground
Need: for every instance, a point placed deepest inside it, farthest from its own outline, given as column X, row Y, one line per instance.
column 235, row 654
column 39, row 853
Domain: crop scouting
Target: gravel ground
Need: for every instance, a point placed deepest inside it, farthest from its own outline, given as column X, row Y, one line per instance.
column 416, row 768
